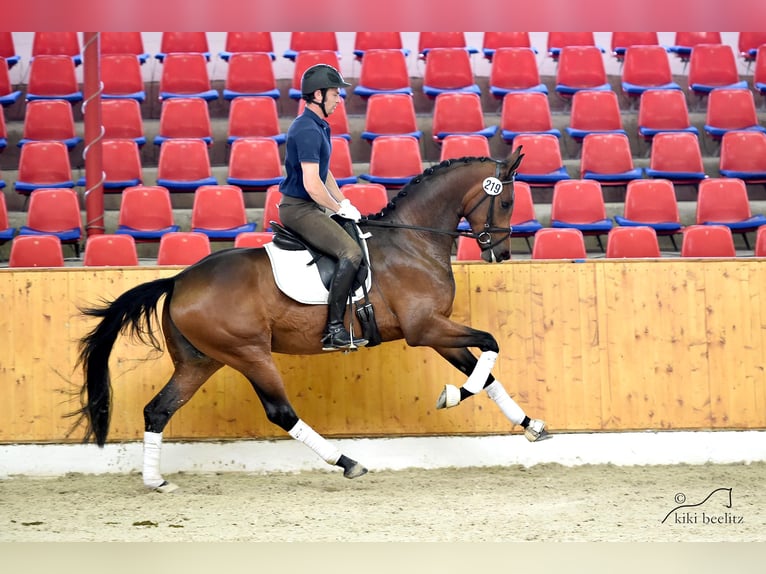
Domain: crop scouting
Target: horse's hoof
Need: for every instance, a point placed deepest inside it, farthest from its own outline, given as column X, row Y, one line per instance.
column 535, row 431
column 355, row 471
column 166, row 487
column 449, row 397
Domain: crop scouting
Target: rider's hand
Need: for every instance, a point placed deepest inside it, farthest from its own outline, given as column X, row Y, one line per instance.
column 348, row 211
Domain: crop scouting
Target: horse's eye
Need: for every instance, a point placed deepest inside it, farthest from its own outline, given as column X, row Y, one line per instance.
column 505, row 204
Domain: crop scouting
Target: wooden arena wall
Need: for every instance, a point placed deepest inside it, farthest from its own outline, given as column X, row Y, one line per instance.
column 599, row 345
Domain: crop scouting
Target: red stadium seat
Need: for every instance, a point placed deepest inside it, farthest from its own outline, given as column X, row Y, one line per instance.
column 123, row 43
column 43, row 164
column 122, row 77
column 580, row 204
column 110, row 250
column 383, row 71
column 448, row 70
column 146, row 213
column 493, row 41
column 594, row 111
column 186, row 75
column 427, row 41
column 254, row 163
column 394, row 160
column 254, row 116
column 685, row 41
column 556, row 41
column 53, row 77
column 182, row 248
column 247, row 42
column 676, row 156
column 580, row 68
column 122, row 119
column 606, row 157
column 57, row 44
column 253, row 239
column 250, row 74
column 663, row 111
column 8, row 50
column 646, row 68
column 632, row 242
column 219, row 212
column 708, row 241
column 183, row 43
column 184, row 165
column 55, row 211
column 564, row 243
column 311, row 41
column 731, row 109
column 464, row 145
column 49, row 120
column 514, row 70
column 459, row 113
column 368, row 41
column 271, row 207
column 542, row 165
column 713, row 66
column 743, row 155
column 652, row 203
column 341, row 165
column 368, row 198
column 184, row 118
column 526, row 113
column 621, row 41
column 390, row 114
column 36, row 251
column 724, row 201
column 467, row 249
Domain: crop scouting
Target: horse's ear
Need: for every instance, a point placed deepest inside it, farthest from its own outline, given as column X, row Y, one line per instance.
column 515, row 159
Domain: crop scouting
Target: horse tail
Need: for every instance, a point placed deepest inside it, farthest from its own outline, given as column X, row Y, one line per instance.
column 133, row 313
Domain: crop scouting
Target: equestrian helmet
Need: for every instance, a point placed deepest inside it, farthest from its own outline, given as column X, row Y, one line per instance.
column 321, row 77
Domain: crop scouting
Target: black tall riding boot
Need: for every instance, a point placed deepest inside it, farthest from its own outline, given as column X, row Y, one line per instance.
column 336, row 336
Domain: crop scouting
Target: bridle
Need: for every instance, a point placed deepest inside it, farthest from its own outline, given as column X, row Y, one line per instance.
column 484, row 237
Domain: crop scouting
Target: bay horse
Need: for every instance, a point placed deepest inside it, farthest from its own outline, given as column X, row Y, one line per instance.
column 227, row 310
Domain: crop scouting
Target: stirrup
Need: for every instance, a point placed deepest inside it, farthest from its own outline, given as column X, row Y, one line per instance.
column 535, row 431
column 339, row 339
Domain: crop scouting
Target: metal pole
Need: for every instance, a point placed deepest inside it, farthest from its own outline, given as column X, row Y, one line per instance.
column 91, row 107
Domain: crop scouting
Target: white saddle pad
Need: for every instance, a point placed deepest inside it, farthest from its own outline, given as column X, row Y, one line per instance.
column 299, row 280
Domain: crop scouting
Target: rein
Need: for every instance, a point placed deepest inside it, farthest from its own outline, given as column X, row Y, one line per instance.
column 484, row 237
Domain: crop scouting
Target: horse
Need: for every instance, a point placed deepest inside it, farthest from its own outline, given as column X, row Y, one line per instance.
column 412, row 291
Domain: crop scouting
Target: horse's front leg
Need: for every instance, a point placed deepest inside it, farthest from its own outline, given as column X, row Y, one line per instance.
column 480, row 377
column 451, row 340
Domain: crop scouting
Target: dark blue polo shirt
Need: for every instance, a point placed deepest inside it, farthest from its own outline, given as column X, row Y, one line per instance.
column 308, row 140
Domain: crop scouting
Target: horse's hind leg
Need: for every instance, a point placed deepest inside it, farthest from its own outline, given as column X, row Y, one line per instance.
column 192, row 369
column 267, row 382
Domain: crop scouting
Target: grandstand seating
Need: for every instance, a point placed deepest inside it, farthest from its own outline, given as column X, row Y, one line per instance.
column 580, row 204
column 182, row 248
column 49, row 120
column 708, row 241
column 390, row 114
column 724, row 201
column 55, row 211
column 448, row 70
column 247, row 42
column 383, row 71
column 606, row 157
column 184, row 164
column 561, row 243
column 341, row 164
column 514, row 70
column 652, row 203
column 254, row 116
column 631, row 242
column 250, row 74
column 146, row 213
column 183, row 43
column 122, row 77
column 123, row 43
column 526, row 113
column 184, row 118
column 110, row 250
column 218, row 211
column 542, row 164
column 580, row 68
column 459, row 113
column 185, row 75
column 310, row 41
column 36, row 251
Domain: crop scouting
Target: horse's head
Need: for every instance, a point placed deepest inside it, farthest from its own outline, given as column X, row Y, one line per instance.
column 487, row 206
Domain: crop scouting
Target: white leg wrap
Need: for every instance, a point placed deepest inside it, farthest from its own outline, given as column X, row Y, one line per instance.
column 481, row 371
column 308, row 436
column 507, row 405
column 152, row 447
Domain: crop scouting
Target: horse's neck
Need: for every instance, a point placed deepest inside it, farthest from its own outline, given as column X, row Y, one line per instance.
column 434, row 204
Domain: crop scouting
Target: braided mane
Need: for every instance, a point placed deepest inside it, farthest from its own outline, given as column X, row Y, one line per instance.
column 417, row 180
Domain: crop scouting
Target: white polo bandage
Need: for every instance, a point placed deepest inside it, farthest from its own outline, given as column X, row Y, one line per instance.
column 507, row 405
column 481, row 371
column 152, row 448
column 308, row 436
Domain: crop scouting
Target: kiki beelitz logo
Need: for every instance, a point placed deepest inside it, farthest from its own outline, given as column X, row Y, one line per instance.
column 714, row 509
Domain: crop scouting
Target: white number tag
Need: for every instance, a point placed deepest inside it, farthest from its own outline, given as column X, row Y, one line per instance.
column 493, row 186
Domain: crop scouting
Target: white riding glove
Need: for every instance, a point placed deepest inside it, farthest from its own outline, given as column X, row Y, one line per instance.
column 348, row 211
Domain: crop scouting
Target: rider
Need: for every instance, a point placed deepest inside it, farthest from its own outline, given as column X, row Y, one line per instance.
column 309, row 191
